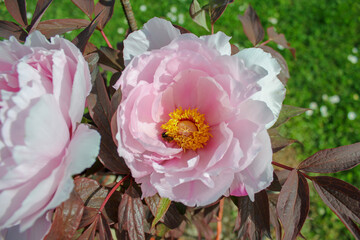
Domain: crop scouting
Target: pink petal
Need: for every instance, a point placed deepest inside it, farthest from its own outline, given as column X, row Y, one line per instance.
column 219, row 41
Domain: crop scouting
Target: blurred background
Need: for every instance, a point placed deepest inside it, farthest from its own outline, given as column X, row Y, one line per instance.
column 325, row 76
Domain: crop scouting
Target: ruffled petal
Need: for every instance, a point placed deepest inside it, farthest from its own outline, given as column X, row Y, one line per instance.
column 219, row 41
column 272, row 90
column 155, row 34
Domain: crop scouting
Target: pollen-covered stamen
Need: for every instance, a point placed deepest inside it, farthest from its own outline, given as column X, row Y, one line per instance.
column 187, row 128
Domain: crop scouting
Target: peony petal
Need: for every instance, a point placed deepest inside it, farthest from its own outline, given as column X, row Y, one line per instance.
column 218, row 41
column 37, row 231
column 272, row 90
column 155, row 34
column 259, row 174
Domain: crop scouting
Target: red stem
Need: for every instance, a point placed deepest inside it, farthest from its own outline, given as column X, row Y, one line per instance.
column 106, row 39
column 212, row 28
column 111, row 193
column 266, row 42
column 290, row 169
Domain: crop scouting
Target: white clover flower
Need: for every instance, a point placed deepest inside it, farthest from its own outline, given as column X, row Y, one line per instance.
column 355, row 50
column 356, row 97
column 324, row 111
column 29, row 15
column 325, row 97
column 173, row 9
column 351, row 116
column 309, row 112
column 280, row 47
column 120, row 30
column 273, row 20
column 181, row 18
column 143, row 8
column 334, row 99
column 172, row 16
column 313, row 105
column 353, row 59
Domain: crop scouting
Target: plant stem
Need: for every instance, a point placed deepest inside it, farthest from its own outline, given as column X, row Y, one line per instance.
column 282, row 166
column 219, row 218
column 212, row 28
column 129, row 15
column 106, row 39
column 111, row 192
column 266, row 42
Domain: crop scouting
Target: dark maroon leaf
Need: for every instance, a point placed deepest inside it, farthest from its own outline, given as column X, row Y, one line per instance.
column 342, row 198
column 198, row 14
column 92, row 60
column 293, row 204
column 115, row 101
column 82, row 39
column 112, row 58
column 90, row 191
column 54, row 27
column 217, row 8
column 252, row 26
column 202, row 226
column 104, row 229
column 172, row 218
column 332, row 160
column 131, row 214
column 284, row 74
column 40, row 9
column 87, row 6
column 89, row 233
column 253, row 217
column 105, row 9
column 286, row 113
column 275, row 184
column 17, row 9
column 8, row 29
column 88, row 216
column 279, row 39
column 278, row 142
column 274, row 219
column 66, row 218
column 182, row 30
column 234, row 49
column 100, row 111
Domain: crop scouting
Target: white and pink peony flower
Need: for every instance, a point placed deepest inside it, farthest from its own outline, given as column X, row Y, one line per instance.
column 43, row 87
column 193, row 119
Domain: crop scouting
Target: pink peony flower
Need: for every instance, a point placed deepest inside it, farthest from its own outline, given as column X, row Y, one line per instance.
column 43, row 86
column 193, row 120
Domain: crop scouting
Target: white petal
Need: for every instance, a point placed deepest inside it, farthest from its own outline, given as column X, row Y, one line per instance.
column 219, row 41
column 273, row 91
column 37, row 39
column 155, row 34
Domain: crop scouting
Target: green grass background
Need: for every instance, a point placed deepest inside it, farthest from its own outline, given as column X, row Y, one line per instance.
column 324, row 34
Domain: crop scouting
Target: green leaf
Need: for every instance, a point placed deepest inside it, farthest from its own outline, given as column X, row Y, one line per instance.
column 162, row 208
column 288, row 112
column 198, row 14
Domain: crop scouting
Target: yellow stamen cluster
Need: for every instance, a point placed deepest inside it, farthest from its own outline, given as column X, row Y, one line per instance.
column 187, row 128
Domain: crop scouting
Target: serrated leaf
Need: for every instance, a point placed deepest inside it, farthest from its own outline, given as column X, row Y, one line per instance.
column 278, row 142
column 342, row 198
column 17, row 9
column 8, row 29
column 217, row 8
column 40, row 9
column 332, row 160
column 131, row 215
column 87, row 6
column 293, row 204
column 100, row 111
column 54, row 27
column 284, row 73
column 82, row 39
column 253, row 217
column 279, row 39
column 287, row 112
column 161, row 209
column 105, row 9
column 252, row 26
column 198, row 14
column 66, row 218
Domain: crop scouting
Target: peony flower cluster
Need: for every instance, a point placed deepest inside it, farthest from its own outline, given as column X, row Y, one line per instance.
column 43, row 88
column 193, row 118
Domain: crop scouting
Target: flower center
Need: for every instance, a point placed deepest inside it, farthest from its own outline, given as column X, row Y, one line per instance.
column 187, row 128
